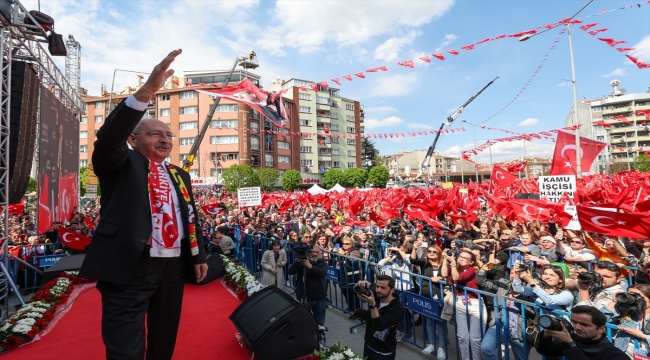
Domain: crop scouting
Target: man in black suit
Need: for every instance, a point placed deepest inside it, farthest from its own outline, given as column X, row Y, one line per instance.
column 145, row 244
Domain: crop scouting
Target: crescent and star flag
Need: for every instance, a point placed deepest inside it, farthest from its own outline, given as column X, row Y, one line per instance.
column 501, row 177
column 518, row 167
column 89, row 223
column 213, row 209
column 636, row 226
column 564, row 157
column 72, row 239
column 270, row 104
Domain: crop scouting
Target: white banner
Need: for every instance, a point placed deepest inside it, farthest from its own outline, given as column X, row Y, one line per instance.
column 553, row 187
column 249, row 196
column 574, row 224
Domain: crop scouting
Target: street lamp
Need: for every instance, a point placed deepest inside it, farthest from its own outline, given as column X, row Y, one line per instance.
column 475, row 146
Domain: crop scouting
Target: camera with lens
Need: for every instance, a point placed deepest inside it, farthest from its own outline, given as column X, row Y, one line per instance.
column 360, row 290
column 392, row 234
column 300, row 250
column 627, row 303
column 449, row 252
column 592, row 277
column 524, row 267
column 550, row 322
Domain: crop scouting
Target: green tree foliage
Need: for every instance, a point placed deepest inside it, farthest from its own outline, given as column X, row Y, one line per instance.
column 369, row 152
column 268, row 177
column 642, row 163
column 378, row 176
column 31, row 185
column 355, row 177
column 238, row 176
column 333, row 176
column 83, row 177
column 291, row 180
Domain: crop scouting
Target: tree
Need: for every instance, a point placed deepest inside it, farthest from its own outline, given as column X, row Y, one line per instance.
column 31, row 185
column 332, row 177
column 238, row 176
column 355, row 177
column 268, row 177
column 291, row 180
column 369, row 152
column 642, row 163
column 83, row 177
column 378, row 176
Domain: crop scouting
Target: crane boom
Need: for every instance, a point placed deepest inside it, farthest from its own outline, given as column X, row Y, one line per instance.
column 189, row 161
column 450, row 119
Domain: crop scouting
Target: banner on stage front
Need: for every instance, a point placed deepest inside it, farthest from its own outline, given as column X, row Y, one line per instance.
column 251, row 196
column 553, row 187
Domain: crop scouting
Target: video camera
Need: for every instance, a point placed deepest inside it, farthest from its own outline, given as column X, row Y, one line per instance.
column 392, row 234
column 462, row 243
column 550, row 322
column 300, row 250
column 359, row 290
column 627, row 303
column 591, row 277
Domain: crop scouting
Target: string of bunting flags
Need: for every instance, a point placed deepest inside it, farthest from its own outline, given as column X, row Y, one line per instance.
column 327, row 134
column 613, row 43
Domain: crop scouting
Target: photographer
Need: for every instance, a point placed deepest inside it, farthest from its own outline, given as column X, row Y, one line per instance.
column 310, row 288
column 631, row 312
column 597, row 287
column 586, row 338
column 384, row 314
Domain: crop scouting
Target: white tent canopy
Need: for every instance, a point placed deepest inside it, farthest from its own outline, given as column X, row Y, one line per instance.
column 338, row 188
column 315, row 190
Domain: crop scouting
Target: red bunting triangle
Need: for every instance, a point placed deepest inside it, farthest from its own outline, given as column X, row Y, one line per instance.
column 425, row 59
column 438, row 56
column 453, row 51
column 468, row 47
column 360, row 75
column 407, row 63
column 336, row 81
column 383, row 68
column 588, row 26
column 347, row 77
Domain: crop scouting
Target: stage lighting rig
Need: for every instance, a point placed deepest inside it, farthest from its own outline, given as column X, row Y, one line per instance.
column 36, row 25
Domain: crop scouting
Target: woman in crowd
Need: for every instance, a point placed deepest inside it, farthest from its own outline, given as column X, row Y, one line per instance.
column 293, row 236
column 549, row 293
column 324, row 243
column 273, row 262
column 349, row 272
column 468, row 309
column 632, row 325
column 430, row 266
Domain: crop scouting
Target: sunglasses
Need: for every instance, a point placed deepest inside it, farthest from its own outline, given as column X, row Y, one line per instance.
column 347, row 244
column 432, row 251
column 573, row 242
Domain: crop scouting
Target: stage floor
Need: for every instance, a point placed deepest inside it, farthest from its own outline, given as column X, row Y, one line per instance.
column 205, row 330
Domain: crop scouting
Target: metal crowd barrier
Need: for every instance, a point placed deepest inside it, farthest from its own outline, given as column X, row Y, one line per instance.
column 27, row 262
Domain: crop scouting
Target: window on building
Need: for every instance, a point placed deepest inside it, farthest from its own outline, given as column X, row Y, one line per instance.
column 255, row 143
column 84, row 120
column 187, row 141
column 350, row 130
column 255, row 114
column 304, row 122
column 305, row 162
column 334, row 116
column 194, row 173
column 352, row 153
column 164, row 97
column 284, row 159
column 228, row 108
column 349, row 118
column 224, row 140
column 596, row 109
column 83, row 163
column 184, row 156
column 268, row 159
column 335, row 152
column 305, row 149
column 83, row 134
column 306, row 136
column 254, row 125
column 335, row 140
column 189, row 125
column 98, row 119
column 83, row 148
column 352, row 165
column 188, row 95
column 99, row 105
column 187, row 110
column 283, row 145
column 224, row 124
column 303, row 96
column 216, row 172
column 165, row 112
column 322, row 100
column 352, row 141
column 324, row 151
column 336, row 164
column 304, row 109
column 334, row 127
column 349, row 106
column 168, row 158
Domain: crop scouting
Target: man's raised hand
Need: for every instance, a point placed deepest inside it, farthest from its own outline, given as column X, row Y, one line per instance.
column 157, row 78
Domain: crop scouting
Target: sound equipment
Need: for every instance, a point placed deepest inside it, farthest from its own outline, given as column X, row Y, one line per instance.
column 527, row 196
column 275, row 326
column 25, row 95
column 215, row 268
column 68, row 263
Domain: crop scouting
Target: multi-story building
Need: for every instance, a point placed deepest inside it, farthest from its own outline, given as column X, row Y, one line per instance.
column 236, row 134
column 407, row 165
column 536, row 166
column 329, row 126
column 627, row 134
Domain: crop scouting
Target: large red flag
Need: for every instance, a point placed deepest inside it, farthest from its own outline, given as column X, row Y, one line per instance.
column 73, row 239
column 564, row 158
column 213, row 209
column 518, row 167
column 501, row 177
column 636, row 226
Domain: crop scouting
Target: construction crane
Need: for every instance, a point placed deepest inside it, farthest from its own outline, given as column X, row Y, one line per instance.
column 246, row 61
column 424, row 168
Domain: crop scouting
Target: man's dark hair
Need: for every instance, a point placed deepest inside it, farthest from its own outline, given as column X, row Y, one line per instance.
column 598, row 318
column 213, row 235
column 391, row 281
column 221, row 229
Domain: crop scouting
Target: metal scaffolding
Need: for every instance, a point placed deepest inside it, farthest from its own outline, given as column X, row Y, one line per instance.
column 73, row 62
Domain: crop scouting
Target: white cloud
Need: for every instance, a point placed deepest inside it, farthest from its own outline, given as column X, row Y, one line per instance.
column 387, row 122
column 448, row 39
column 512, row 150
column 380, row 109
column 419, row 126
column 529, row 122
column 416, row 55
column 642, row 50
column 617, row 72
column 564, row 83
column 394, row 85
column 453, row 151
column 390, row 49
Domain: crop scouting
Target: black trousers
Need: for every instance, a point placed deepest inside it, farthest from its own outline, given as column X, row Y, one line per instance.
column 157, row 292
column 372, row 355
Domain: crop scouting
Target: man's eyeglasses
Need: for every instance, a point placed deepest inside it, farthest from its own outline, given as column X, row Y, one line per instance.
column 465, row 257
column 607, row 265
column 574, row 242
column 159, row 134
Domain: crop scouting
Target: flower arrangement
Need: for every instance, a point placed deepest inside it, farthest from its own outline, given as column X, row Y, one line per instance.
column 335, row 352
column 240, row 279
column 35, row 315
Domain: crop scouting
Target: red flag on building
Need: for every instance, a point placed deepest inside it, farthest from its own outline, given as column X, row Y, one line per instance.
column 72, row 239
column 501, row 177
column 614, row 223
column 564, row 157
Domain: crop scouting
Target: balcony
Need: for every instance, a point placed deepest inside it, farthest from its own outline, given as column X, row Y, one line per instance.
column 618, row 109
column 323, row 113
column 269, row 147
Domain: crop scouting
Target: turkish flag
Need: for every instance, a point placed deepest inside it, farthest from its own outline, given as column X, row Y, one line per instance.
column 501, row 177
column 89, row 223
column 213, row 209
column 518, row 167
column 564, row 157
column 530, row 210
column 72, row 239
column 636, row 226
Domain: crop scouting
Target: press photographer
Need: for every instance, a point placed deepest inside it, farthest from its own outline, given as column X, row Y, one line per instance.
column 310, row 271
column 384, row 314
column 631, row 312
column 584, row 338
column 597, row 287
column 394, row 233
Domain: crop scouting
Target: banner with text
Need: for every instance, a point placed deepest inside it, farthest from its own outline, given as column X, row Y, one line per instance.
column 249, row 196
column 553, row 187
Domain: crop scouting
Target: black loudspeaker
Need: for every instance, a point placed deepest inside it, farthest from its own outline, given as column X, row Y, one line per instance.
column 527, row 196
column 25, row 95
column 215, row 268
column 275, row 326
column 68, row 263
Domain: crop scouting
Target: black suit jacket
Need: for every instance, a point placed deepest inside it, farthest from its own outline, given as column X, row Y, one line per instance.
column 125, row 215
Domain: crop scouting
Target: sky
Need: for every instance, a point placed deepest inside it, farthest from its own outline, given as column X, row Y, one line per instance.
column 319, row 40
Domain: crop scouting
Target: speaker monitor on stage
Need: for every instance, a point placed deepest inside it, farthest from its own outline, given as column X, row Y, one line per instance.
column 215, row 268
column 275, row 326
column 527, row 196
